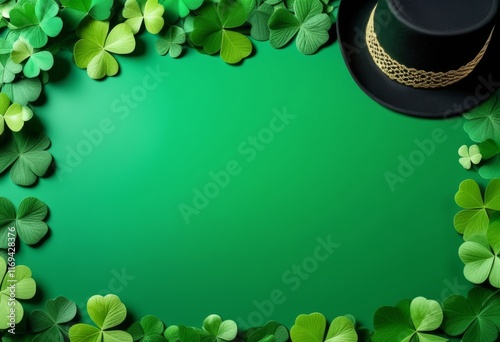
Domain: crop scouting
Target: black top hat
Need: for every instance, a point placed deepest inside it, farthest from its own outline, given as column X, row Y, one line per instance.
column 427, row 58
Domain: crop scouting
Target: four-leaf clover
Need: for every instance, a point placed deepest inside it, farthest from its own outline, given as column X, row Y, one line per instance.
column 50, row 325
column 469, row 155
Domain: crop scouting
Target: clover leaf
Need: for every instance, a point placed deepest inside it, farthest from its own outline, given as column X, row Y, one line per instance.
column 484, row 121
column 36, row 20
column 36, row 61
column 171, row 42
column 106, row 312
column 76, row 10
column 469, row 155
column 308, row 23
column 25, row 288
column 175, row 9
column 93, row 50
column 28, row 221
column 474, row 218
column 149, row 329
column 477, row 317
column 14, row 115
column 271, row 332
column 311, row 328
column 24, row 90
column 25, row 152
column 219, row 330
column 490, row 167
column 181, row 333
column 50, row 324
column 211, row 30
column 408, row 320
column 259, row 19
column 149, row 11
column 8, row 69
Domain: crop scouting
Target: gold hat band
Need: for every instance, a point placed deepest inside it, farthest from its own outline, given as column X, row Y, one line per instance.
column 411, row 76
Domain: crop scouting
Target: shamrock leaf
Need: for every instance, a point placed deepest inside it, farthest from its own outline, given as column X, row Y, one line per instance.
column 8, row 69
column 311, row 328
column 219, row 330
column 25, row 288
column 93, row 50
column 181, row 333
column 14, row 115
column 171, row 42
column 175, row 9
column 149, row 329
column 477, row 316
column 271, row 332
column 259, row 19
column 474, row 219
column 484, row 121
column 36, row 20
column 23, row 91
column 469, row 156
column 28, row 221
column 25, row 152
column 490, row 167
column 36, row 61
column 211, row 30
column 76, row 10
column 50, row 324
column 309, row 23
column 149, row 11
column 408, row 320
column 106, row 312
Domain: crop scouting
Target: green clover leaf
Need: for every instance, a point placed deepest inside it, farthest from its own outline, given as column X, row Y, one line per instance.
column 219, row 330
column 469, row 155
column 106, row 312
column 36, row 20
column 311, row 328
column 175, row 9
column 171, row 42
column 28, row 220
column 271, row 332
column 14, row 115
column 93, row 50
column 259, row 19
column 149, row 329
column 25, row 152
column 181, row 333
column 50, row 324
column 477, row 317
column 490, row 167
column 309, row 24
column 408, row 320
column 149, row 11
column 24, row 288
column 36, row 61
column 211, row 30
column 484, row 121
column 24, row 90
column 76, row 10
column 8, row 69
column 5, row 8
column 474, row 219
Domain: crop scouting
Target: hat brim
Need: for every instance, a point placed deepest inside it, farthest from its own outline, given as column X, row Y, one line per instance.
column 435, row 103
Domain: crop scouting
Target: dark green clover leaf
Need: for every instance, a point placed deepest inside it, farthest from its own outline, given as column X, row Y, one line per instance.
column 149, row 329
column 181, row 333
column 259, row 19
column 50, row 324
column 175, row 9
column 490, row 167
column 76, row 10
column 271, row 332
column 311, row 328
column 8, row 69
column 474, row 218
column 484, row 121
column 309, row 23
column 171, row 42
column 408, row 321
column 212, row 31
column 28, row 220
column 25, row 152
column 36, row 20
column 477, row 317
column 23, row 91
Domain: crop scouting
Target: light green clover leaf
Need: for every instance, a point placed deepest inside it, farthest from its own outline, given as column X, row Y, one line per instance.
column 50, row 325
column 149, row 329
column 474, row 218
column 469, row 155
column 484, row 121
column 25, row 152
column 407, row 321
column 211, row 30
column 181, row 333
column 171, row 42
column 271, row 332
column 477, row 317
column 219, row 330
column 106, row 312
column 76, row 10
column 311, row 328
column 149, row 11
column 28, row 221
column 14, row 115
column 175, row 9
column 93, row 50
column 25, row 288
column 36, row 61
column 24, row 90
column 5, row 8
column 309, row 24
column 8, row 69
column 36, row 20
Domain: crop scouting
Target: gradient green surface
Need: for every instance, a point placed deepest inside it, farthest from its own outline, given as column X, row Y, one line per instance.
column 116, row 209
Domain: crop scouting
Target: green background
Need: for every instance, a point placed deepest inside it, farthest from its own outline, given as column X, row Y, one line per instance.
column 117, row 210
